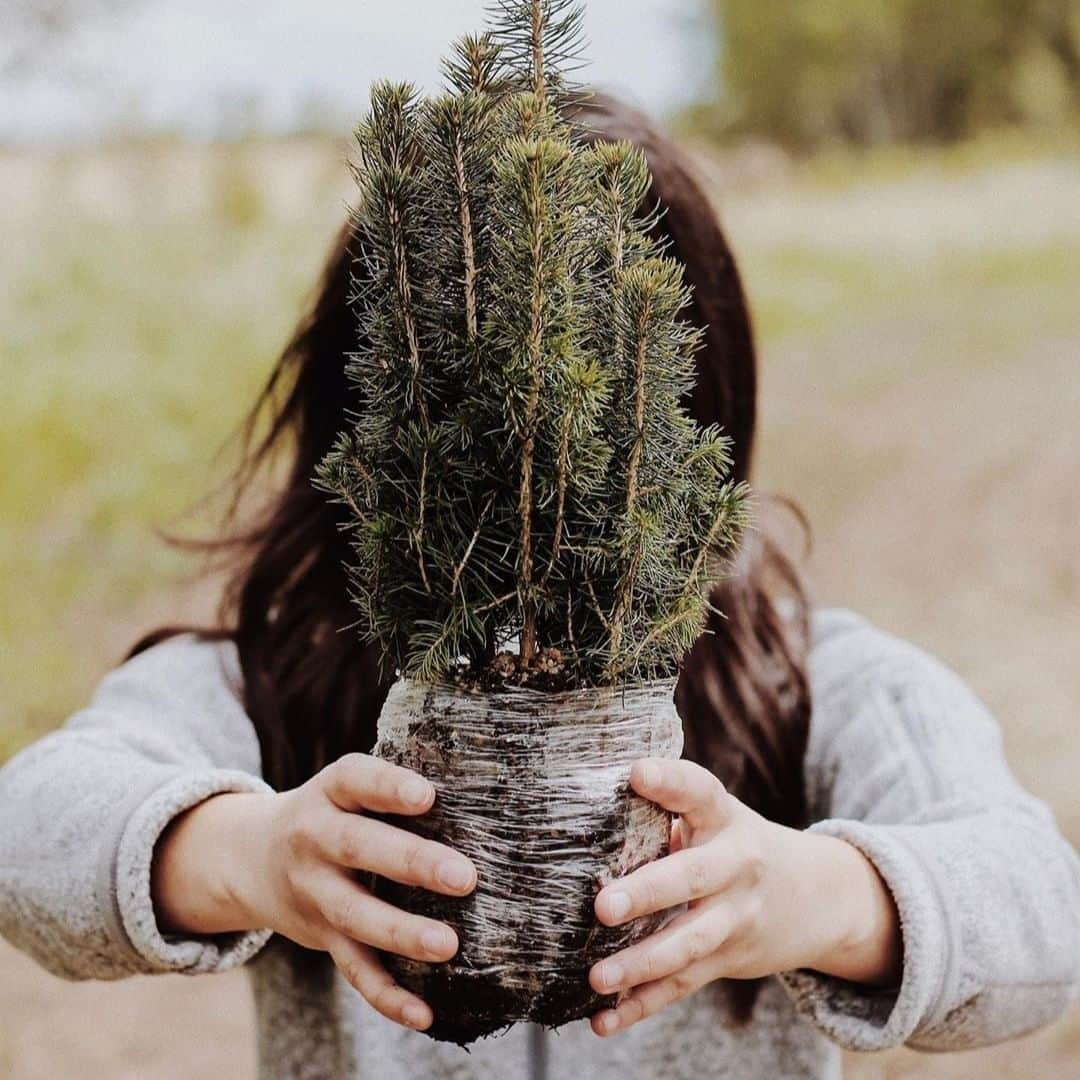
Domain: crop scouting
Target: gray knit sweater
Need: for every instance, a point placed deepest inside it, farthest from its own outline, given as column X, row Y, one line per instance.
column 902, row 761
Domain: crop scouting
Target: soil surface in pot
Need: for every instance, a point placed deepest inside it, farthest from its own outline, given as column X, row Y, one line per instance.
column 533, row 787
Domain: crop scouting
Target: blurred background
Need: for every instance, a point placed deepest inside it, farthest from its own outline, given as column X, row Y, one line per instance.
column 901, row 183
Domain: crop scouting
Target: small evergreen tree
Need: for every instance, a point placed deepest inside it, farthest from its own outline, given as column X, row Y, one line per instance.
column 520, row 464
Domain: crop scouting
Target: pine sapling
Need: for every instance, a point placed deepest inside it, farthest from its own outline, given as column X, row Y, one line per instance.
column 535, row 521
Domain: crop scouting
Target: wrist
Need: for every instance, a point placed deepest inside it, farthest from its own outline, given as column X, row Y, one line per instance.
column 244, row 831
column 859, row 937
column 207, row 865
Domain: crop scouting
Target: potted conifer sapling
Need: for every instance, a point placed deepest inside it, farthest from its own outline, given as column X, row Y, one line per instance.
column 535, row 520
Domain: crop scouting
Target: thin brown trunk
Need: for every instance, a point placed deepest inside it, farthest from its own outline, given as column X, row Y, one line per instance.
column 634, row 466
column 617, row 259
column 529, row 618
column 529, row 628
column 422, row 521
column 626, row 586
column 404, row 288
column 539, row 77
column 562, row 483
column 620, row 227
column 468, row 245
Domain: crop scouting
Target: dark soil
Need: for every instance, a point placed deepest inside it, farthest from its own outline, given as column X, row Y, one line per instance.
column 548, row 672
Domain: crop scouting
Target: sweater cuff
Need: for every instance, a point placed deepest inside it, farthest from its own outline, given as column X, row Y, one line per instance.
column 864, row 1018
column 196, row 955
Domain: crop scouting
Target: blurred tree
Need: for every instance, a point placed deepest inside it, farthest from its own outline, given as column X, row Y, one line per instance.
column 872, row 71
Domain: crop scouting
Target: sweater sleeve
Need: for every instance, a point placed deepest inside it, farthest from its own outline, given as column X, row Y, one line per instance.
column 905, row 763
column 82, row 809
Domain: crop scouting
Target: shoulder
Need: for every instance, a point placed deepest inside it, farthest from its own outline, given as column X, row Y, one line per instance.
column 850, row 655
column 186, row 667
column 883, row 707
column 181, row 696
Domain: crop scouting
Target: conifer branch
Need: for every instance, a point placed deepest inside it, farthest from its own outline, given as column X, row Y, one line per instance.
column 598, row 611
column 729, row 518
column 538, row 27
column 419, row 534
column 642, row 320
column 562, row 481
column 468, row 242
column 404, row 287
column 473, row 65
column 519, row 462
column 640, row 390
column 460, row 568
column 540, row 41
column 499, row 602
column 534, row 348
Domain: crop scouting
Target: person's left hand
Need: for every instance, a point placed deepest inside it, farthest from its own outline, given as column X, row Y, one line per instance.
column 762, row 899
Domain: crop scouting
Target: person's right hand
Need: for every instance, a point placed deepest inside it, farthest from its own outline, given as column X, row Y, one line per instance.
column 294, row 858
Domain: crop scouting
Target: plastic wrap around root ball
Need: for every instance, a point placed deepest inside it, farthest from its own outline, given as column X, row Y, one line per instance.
column 534, row 788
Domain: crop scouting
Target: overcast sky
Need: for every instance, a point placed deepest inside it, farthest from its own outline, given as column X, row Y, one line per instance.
column 171, row 63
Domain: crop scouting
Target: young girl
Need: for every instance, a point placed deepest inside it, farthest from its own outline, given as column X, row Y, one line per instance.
column 859, row 868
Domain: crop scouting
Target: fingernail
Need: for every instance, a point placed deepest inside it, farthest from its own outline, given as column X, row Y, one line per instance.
column 618, row 906
column 437, row 941
column 608, row 1022
column 612, row 974
column 414, row 791
column 415, row 1015
column 650, row 776
column 455, row 874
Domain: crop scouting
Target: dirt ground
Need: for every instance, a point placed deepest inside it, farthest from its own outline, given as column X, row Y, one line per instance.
column 921, row 386
column 173, row 1028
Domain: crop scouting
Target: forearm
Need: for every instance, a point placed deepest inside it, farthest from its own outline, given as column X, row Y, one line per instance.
column 202, row 864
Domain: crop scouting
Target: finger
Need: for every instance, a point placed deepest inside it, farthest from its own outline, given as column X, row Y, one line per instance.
column 684, row 788
column 650, row 999
column 362, row 969
column 687, row 940
column 360, row 782
column 352, row 911
column 676, row 843
column 365, row 844
column 688, row 875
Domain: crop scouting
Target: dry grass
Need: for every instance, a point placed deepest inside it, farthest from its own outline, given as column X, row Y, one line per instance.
column 921, row 355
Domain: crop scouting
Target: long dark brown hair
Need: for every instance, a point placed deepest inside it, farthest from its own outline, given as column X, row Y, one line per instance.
column 313, row 688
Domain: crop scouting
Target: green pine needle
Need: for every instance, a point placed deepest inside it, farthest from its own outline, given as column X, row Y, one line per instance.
column 520, row 464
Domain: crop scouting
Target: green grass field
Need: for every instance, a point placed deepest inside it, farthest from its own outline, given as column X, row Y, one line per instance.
column 920, row 330
column 129, row 354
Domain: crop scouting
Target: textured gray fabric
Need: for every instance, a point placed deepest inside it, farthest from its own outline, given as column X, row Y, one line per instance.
column 903, row 762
